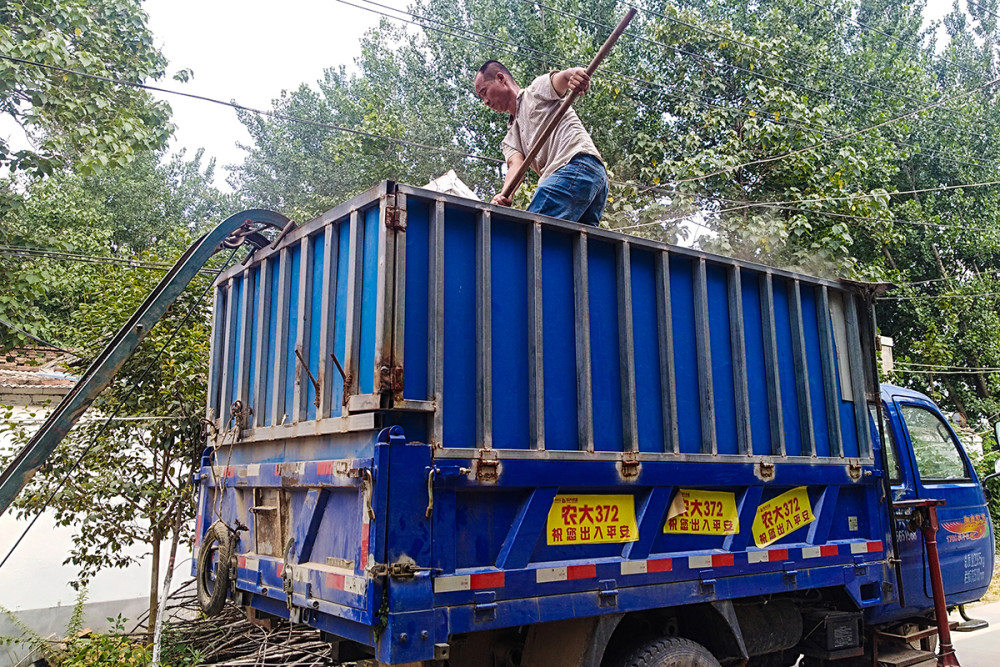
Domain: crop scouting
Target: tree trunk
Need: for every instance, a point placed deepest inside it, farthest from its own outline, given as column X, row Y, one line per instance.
column 154, row 581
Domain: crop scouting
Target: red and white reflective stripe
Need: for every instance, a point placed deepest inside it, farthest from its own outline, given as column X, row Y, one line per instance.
column 253, row 470
column 866, row 547
column 767, row 556
column 324, row 467
column 224, row 471
column 248, row 562
column 469, row 582
column 346, row 582
column 646, row 566
column 820, row 552
column 363, row 555
column 712, row 560
column 546, row 575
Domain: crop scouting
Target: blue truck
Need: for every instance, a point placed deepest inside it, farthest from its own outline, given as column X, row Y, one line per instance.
column 448, row 431
column 444, row 432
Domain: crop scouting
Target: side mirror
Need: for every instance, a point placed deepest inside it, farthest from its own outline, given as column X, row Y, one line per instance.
column 996, row 434
column 996, row 473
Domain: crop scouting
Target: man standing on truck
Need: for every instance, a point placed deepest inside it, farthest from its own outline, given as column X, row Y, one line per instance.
column 574, row 182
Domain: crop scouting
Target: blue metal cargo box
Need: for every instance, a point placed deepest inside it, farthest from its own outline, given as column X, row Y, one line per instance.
column 421, row 402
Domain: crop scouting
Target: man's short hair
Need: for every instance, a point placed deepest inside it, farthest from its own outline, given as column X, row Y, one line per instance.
column 491, row 67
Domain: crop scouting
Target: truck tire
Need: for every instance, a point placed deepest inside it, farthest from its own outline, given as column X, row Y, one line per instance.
column 670, row 652
column 212, row 593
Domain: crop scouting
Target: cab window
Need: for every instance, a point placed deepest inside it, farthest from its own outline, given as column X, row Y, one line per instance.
column 934, row 448
column 895, row 475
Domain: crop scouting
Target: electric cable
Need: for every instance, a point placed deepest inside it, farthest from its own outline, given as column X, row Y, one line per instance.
column 24, row 251
column 34, row 338
column 118, row 408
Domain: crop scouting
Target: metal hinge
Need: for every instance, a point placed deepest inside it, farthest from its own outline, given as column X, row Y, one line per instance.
column 392, row 379
column 487, row 466
column 395, row 216
column 630, row 464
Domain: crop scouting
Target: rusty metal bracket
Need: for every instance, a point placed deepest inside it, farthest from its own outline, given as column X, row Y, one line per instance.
column 630, row 464
column 765, row 470
column 348, row 378
column 395, row 216
column 399, row 570
column 392, row 377
column 315, row 383
column 487, row 466
column 854, row 469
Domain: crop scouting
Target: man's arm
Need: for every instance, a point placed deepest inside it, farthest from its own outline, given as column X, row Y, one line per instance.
column 513, row 164
column 575, row 78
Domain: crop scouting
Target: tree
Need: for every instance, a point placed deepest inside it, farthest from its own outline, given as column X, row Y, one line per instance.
column 69, row 119
column 132, row 485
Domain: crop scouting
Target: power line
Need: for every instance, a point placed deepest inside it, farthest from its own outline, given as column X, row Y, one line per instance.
column 241, row 107
column 33, row 337
column 932, row 297
column 21, row 251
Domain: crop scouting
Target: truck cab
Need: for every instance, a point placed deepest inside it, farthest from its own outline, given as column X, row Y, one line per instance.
column 926, row 460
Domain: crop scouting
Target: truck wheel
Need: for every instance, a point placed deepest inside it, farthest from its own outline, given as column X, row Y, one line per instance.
column 214, row 586
column 670, row 652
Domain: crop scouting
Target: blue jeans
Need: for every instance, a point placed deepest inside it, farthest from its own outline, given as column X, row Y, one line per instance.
column 577, row 191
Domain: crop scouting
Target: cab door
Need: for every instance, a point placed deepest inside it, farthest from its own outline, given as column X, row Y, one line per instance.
column 942, row 470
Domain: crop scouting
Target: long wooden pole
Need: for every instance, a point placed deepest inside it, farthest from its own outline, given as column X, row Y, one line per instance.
column 567, row 102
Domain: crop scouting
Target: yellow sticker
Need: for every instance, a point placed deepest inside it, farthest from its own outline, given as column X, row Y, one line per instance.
column 591, row 519
column 694, row 512
column 782, row 515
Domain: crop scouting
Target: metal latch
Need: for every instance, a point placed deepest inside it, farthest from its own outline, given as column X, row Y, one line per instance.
column 854, row 469
column 765, row 470
column 395, row 216
column 399, row 570
column 392, row 379
column 487, row 466
column 630, row 464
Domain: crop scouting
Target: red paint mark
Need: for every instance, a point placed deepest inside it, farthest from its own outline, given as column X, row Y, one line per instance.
column 581, row 571
column 874, row 547
column 230, row 471
column 829, row 550
column 486, row 580
column 659, row 565
column 363, row 561
column 241, row 561
column 722, row 560
column 281, row 569
column 277, row 470
column 777, row 555
column 335, row 581
column 324, row 468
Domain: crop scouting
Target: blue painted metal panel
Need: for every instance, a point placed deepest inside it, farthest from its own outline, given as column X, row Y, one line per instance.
column 685, row 355
column 649, row 399
column 722, row 359
column 814, row 360
column 291, row 362
column 418, row 299
column 340, row 316
column 753, row 336
column 459, row 329
column 605, row 362
column 558, row 334
column 786, row 368
column 252, row 348
column 234, row 360
column 318, row 243
column 272, row 327
column 509, row 321
column 369, row 304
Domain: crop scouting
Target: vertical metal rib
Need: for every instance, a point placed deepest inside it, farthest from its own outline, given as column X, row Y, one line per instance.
column 581, row 297
column 243, row 363
column 353, row 333
column 739, row 351
column 384, row 289
column 435, row 360
column 857, row 376
column 228, row 363
column 626, row 349
column 302, row 332
column 284, row 269
column 771, row 365
column 484, row 342
column 213, row 407
column 399, row 297
column 706, row 390
column 328, row 307
column 263, row 335
column 801, row 364
column 665, row 331
column 536, row 360
column 829, row 373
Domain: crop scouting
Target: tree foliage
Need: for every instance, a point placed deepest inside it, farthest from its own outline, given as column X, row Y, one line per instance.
column 73, row 120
